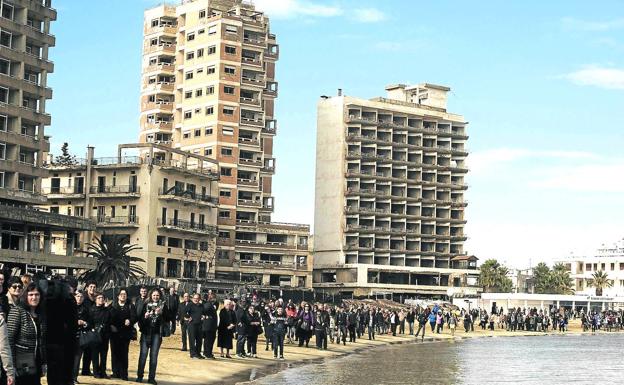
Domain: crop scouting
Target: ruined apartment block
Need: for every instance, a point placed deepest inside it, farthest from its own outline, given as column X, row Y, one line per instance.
column 209, row 88
column 389, row 210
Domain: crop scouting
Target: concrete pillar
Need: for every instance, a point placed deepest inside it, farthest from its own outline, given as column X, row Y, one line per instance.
column 542, row 305
column 69, row 250
column 573, row 305
column 47, row 247
column 526, row 303
column 508, row 304
column 588, row 306
column 558, row 304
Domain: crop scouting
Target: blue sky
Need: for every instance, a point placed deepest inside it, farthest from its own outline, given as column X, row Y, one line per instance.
column 541, row 83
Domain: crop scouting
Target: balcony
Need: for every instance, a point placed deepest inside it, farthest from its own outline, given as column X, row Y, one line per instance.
column 115, row 191
column 297, row 227
column 248, row 121
column 25, row 112
column 160, row 106
column 247, row 182
column 249, row 141
column 271, row 245
column 268, row 169
column 22, row 196
column 187, row 226
column 168, row 29
column 167, row 48
column 246, row 222
column 249, row 203
column 159, row 87
column 187, row 197
column 160, row 68
column 75, row 192
column 180, row 166
column 116, row 222
column 253, row 62
column 250, row 162
column 32, row 60
column 254, row 42
column 250, row 101
column 32, row 87
column 254, row 82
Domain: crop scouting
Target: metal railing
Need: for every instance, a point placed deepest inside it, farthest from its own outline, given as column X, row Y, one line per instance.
column 114, row 189
column 63, row 190
column 186, row 194
column 113, row 221
column 188, row 225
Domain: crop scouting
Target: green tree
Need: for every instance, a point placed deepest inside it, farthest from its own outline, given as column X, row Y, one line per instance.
column 561, row 282
column 65, row 159
column 493, row 277
column 541, row 278
column 600, row 280
column 113, row 261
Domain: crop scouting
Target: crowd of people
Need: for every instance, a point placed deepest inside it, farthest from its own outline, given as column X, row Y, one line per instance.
column 50, row 328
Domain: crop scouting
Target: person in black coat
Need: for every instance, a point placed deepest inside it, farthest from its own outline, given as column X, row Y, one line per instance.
column 227, row 324
column 253, row 326
column 241, row 329
column 123, row 318
column 62, row 321
column 101, row 317
column 173, row 302
column 182, row 310
column 89, row 301
column 320, row 327
column 193, row 318
column 209, row 324
column 370, row 320
column 83, row 323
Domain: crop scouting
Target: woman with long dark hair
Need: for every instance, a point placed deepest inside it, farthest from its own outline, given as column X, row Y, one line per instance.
column 122, row 324
column 151, row 321
column 27, row 337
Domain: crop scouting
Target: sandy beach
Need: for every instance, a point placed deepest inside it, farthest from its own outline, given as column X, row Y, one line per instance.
column 176, row 368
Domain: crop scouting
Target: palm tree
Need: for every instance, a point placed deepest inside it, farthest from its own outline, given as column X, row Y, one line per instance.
column 493, row 277
column 600, row 280
column 542, row 278
column 561, row 282
column 113, row 261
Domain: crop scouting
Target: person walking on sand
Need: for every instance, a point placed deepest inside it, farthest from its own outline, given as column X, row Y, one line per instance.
column 279, row 331
column 452, row 323
column 422, row 323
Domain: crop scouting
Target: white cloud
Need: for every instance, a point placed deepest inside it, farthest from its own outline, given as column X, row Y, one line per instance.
column 289, row 9
column 592, row 26
column 483, row 161
column 597, row 177
column 368, row 15
column 610, row 78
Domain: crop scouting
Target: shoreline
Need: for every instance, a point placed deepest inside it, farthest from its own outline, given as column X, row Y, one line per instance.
column 176, row 368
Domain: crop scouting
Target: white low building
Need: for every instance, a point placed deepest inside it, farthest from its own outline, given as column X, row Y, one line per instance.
column 609, row 259
column 546, row 301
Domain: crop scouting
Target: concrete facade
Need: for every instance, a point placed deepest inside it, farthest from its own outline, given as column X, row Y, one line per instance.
column 159, row 200
column 389, row 203
column 209, row 88
column 608, row 259
column 27, row 235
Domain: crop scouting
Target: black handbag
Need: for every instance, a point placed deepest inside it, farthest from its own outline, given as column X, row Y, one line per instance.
column 89, row 338
column 25, row 364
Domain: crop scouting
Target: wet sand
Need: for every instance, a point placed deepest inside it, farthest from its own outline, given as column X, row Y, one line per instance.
column 176, row 368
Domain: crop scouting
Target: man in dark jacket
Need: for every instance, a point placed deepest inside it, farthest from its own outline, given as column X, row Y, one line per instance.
column 320, row 328
column 89, row 301
column 342, row 321
column 62, row 322
column 241, row 329
column 410, row 318
column 173, row 301
column 182, row 310
column 422, row 322
column 193, row 318
column 210, row 324
column 371, row 323
column 352, row 324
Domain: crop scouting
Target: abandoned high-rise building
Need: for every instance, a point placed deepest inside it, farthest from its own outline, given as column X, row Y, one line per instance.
column 389, row 209
column 26, row 239
column 209, row 88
